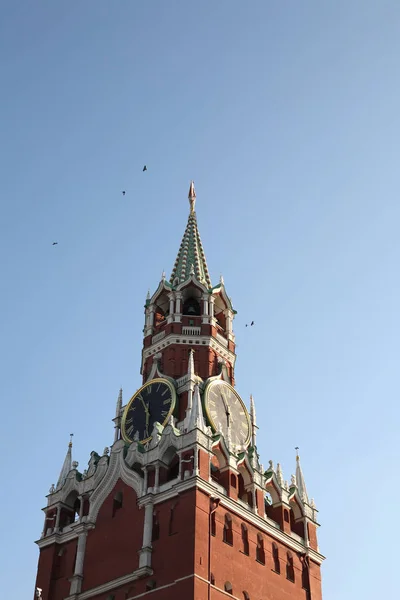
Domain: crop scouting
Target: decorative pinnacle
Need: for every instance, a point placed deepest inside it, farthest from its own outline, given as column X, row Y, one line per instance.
column 192, row 197
column 71, row 435
column 301, row 484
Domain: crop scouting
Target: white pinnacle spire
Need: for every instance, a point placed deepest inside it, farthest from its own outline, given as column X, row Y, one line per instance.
column 117, row 418
column 196, row 417
column 119, row 404
column 191, row 378
column 301, row 486
column 253, row 421
column 67, row 466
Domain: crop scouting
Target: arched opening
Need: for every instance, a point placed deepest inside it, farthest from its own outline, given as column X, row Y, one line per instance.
column 228, row 587
column 117, row 503
column 296, row 523
column 228, row 531
column 289, row 567
column 245, row 540
column 69, row 513
column 191, row 307
column 275, row 558
column 169, row 469
column 286, row 516
column 246, row 596
column 159, row 317
column 212, row 579
column 260, row 552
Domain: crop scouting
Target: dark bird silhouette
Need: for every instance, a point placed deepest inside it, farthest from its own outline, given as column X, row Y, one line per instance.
column 144, row 168
column 54, row 243
column 123, row 192
column 251, row 324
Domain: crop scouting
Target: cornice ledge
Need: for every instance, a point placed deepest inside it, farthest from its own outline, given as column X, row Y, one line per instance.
column 60, row 537
column 110, row 585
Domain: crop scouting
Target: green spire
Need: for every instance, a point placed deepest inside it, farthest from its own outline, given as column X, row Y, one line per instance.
column 191, row 259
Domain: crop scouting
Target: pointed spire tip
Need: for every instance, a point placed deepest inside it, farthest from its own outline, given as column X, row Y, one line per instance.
column 192, row 196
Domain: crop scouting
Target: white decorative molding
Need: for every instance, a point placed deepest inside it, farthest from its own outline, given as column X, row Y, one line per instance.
column 191, row 330
column 117, row 469
column 159, row 336
column 114, row 583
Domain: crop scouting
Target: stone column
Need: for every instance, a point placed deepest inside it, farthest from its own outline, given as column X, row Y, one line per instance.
column 145, row 552
column 180, row 466
column 205, row 309
column 228, row 318
column 195, row 461
column 157, row 478
column 76, row 580
column 171, row 304
column 145, row 480
column 178, row 307
column 57, row 525
column 81, row 503
column 212, row 318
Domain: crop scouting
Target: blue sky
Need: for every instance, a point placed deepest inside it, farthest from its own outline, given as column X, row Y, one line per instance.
column 286, row 115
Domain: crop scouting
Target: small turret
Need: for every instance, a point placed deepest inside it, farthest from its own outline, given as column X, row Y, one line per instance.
column 301, row 485
column 67, row 465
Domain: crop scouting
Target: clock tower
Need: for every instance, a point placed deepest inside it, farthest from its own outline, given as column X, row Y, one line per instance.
column 180, row 505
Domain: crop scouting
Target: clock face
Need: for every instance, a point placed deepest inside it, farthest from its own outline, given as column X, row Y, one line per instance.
column 225, row 410
column 154, row 401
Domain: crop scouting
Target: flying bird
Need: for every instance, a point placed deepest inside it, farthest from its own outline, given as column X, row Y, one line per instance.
column 54, row 243
column 251, row 324
column 144, row 168
column 123, row 192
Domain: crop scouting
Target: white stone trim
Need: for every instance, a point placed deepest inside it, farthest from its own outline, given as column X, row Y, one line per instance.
column 117, row 469
column 110, row 585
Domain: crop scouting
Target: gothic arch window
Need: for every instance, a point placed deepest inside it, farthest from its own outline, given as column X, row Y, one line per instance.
column 246, row 596
column 275, row 558
column 245, row 540
column 191, row 307
column 289, row 567
column 228, row 587
column 260, row 552
column 286, row 516
column 117, row 503
column 228, row 532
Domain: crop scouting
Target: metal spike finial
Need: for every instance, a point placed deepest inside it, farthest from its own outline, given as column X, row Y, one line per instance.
column 71, row 435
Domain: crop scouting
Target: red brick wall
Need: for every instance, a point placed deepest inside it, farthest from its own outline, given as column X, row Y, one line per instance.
column 229, row 563
column 56, row 567
column 112, row 546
